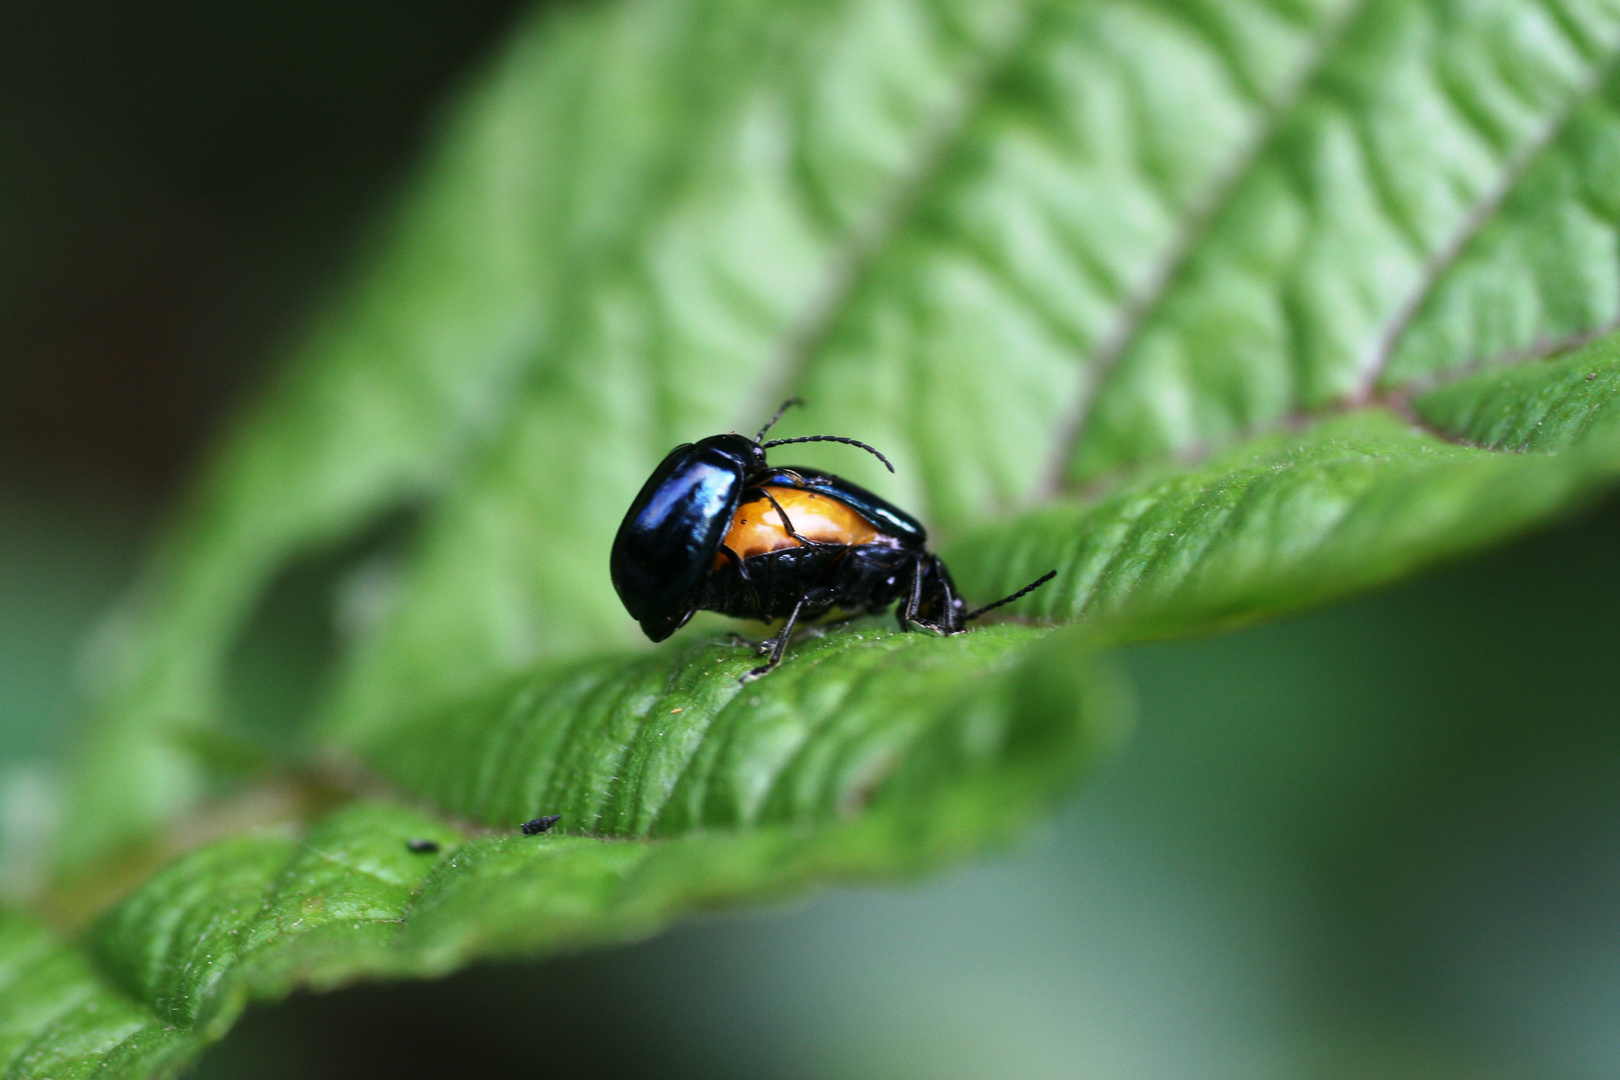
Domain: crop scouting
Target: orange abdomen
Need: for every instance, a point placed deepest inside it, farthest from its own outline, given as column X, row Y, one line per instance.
column 756, row 528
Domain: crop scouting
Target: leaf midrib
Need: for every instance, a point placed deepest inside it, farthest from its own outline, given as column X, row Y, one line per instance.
column 1138, row 311
column 850, row 267
column 1482, row 214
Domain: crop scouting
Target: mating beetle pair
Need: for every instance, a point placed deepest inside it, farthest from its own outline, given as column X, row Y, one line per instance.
column 717, row 528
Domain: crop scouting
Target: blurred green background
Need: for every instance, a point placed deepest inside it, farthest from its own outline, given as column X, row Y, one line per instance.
column 1381, row 840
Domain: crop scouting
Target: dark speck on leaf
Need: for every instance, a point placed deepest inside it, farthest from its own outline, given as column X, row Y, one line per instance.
column 1592, row 376
column 423, row 847
column 540, row 824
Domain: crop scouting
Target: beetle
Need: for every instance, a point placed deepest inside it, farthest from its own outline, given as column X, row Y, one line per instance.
column 716, row 527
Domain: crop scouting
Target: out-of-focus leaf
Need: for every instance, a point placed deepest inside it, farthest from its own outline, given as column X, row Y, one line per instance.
column 678, row 789
column 60, row 1018
column 1216, row 308
column 1439, row 197
column 1556, row 405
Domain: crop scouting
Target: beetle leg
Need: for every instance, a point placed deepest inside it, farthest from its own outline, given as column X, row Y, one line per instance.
column 908, row 613
column 742, row 572
column 953, row 608
column 787, row 525
column 779, row 646
column 760, row 647
column 820, row 629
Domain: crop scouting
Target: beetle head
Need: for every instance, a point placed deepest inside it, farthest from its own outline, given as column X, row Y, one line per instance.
column 748, row 455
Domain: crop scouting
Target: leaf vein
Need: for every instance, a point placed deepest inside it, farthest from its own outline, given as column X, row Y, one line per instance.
column 1138, row 309
column 850, row 268
column 1483, row 212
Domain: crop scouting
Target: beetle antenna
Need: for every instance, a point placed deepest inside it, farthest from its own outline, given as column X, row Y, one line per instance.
column 828, row 438
column 786, row 405
column 1031, row 587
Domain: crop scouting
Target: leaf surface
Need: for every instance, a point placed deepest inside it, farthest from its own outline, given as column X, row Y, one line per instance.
column 666, row 808
column 1218, row 309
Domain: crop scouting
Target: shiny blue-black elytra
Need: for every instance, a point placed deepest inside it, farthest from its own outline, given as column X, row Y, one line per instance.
column 670, row 557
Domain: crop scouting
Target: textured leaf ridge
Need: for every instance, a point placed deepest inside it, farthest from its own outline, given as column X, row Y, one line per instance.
column 1219, row 310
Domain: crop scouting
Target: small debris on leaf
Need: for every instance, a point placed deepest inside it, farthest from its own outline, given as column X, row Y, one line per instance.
column 422, row 847
column 540, row 824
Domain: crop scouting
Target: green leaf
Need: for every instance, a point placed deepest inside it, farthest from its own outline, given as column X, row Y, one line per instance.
column 1218, row 309
column 1297, row 518
column 58, row 1018
column 735, row 792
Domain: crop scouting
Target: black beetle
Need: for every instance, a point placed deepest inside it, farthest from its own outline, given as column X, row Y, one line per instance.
column 717, row 528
